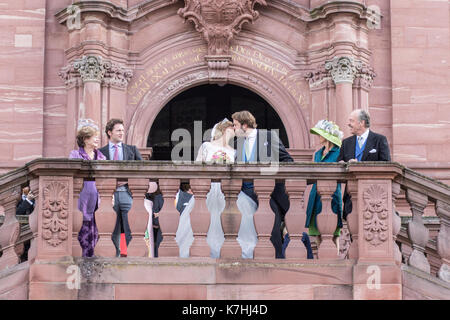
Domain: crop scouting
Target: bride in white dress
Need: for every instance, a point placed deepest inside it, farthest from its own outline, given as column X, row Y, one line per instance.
column 218, row 150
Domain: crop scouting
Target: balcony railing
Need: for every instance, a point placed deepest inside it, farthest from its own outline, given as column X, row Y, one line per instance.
column 374, row 227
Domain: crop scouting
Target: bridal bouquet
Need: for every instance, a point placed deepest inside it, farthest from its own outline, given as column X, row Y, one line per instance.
column 220, row 157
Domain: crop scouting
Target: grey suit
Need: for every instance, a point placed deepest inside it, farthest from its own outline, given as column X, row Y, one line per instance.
column 123, row 199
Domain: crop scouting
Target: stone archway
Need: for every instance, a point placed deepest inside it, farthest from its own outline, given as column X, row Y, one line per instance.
column 204, row 106
column 291, row 113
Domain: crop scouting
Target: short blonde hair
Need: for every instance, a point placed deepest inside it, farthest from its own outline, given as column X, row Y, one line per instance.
column 84, row 133
column 220, row 129
column 245, row 117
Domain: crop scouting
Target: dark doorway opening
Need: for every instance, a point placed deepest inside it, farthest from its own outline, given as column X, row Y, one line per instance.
column 208, row 104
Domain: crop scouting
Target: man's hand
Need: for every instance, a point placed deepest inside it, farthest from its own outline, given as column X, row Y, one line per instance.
column 353, row 160
column 30, row 196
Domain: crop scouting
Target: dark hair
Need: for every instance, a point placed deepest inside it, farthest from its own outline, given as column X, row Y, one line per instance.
column 364, row 116
column 245, row 117
column 84, row 133
column 110, row 125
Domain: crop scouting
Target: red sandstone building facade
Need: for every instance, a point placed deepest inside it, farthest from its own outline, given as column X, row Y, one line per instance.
column 152, row 63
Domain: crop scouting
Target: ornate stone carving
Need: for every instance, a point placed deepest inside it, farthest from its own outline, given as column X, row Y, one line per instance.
column 70, row 76
column 443, row 239
column 55, row 213
column 342, row 69
column 364, row 75
column 344, row 242
column 92, row 68
column 319, row 78
column 117, row 75
column 218, row 68
column 219, row 20
column 375, row 215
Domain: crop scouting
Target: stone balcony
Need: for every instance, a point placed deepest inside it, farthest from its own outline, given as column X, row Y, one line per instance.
column 383, row 259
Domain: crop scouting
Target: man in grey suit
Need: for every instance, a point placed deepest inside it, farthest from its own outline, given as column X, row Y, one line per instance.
column 123, row 200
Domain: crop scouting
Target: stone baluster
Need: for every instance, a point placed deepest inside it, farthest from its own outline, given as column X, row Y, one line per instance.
column 138, row 218
column 264, row 218
column 10, row 229
column 169, row 217
column 326, row 220
column 33, row 220
column 105, row 217
column 417, row 232
column 231, row 218
column 443, row 239
column 200, row 217
column 77, row 216
column 353, row 219
column 295, row 218
column 396, row 223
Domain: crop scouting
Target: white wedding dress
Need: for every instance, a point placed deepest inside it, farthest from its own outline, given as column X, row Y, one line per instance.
column 215, row 201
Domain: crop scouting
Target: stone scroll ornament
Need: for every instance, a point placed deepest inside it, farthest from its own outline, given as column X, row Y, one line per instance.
column 375, row 215
column 219, row 20
column 55, row 213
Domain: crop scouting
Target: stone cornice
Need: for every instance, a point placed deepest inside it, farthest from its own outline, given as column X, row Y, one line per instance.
column 291, row 8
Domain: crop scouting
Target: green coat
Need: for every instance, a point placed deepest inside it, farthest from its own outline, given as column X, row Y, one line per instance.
column 315, row 204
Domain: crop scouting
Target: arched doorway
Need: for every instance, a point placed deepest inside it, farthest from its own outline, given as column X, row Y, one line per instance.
column 209, row 104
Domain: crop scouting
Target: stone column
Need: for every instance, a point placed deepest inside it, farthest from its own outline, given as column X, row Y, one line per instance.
column 326, row 220
column 169, row 217
column 231, row 218
column 343, row 71
column 417, row 232
column 295, row 218
column 443, row 239
column 264, row 218
column 33, row 220
column 10, row 229
column 92, row 70
column 138, row 218
column 105, row 217
column 200, row 217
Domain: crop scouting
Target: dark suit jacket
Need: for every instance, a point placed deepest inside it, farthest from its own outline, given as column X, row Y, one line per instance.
column 375, row 142
column 24, row 207
column 129, row 152
column 268, row 148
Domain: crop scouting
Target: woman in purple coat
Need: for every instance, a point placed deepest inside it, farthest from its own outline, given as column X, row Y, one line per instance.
column 88, row 141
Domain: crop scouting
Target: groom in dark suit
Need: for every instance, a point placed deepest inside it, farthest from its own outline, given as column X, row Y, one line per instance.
column 259, row 145
column 123, row 200
column 363, row 145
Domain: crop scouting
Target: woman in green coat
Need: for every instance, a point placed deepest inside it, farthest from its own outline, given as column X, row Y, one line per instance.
column 331, row 139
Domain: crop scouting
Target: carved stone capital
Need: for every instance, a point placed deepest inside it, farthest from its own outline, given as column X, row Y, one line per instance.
column 92, row 68
column 342, row 69
column 70, row 76
column 364, row 75
column 319, row 78
column 117, row 76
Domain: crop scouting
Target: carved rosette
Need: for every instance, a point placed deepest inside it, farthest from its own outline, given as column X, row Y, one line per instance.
column 55, row 213
column 375, row 215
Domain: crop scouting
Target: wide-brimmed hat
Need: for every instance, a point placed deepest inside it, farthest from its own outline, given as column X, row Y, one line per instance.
column 329, row 130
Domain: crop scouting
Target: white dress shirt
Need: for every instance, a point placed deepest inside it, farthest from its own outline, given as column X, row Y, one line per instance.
column 251, row 138
column 364, row 138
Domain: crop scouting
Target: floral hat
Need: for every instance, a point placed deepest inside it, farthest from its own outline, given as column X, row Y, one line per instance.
column 329, row 130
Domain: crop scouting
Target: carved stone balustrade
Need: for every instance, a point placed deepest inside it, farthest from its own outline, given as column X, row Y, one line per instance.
column 372, row 223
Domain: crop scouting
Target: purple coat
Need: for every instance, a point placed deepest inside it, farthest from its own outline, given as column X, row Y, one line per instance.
column 89, row 198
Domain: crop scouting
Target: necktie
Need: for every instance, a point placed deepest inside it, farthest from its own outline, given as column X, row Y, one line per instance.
column 360, row 141
column 116, row 152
